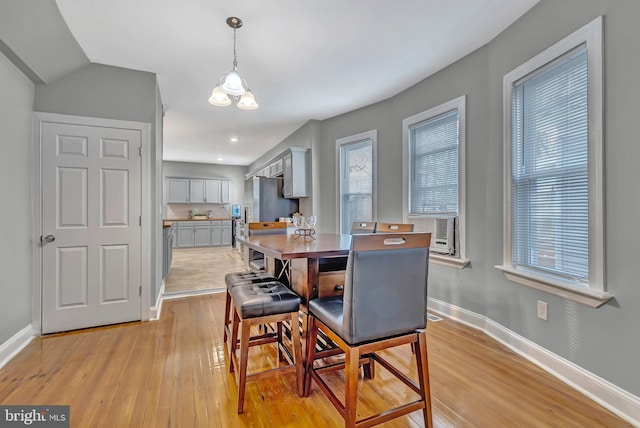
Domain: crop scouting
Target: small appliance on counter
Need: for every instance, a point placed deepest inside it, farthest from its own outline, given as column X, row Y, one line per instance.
column 210, row 214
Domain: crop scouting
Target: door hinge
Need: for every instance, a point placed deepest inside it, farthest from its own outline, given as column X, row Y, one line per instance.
column 140, row 220
column 140, row 151
column 140, row 291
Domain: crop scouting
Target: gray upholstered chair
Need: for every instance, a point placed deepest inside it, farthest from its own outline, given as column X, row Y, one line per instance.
column 384, row 305
column 258, row 304
column 394, row 227
column 360, row 227
column 256, row 258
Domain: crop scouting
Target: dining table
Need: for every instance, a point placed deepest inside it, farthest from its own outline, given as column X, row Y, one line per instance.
column 299, row 260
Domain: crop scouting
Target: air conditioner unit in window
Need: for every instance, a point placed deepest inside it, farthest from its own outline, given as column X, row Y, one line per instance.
column 443, row 236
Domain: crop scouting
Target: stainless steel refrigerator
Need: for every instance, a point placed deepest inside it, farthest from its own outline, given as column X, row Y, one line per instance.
column 263, row 200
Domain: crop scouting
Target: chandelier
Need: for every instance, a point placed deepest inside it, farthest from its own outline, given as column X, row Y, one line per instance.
column 231, row 84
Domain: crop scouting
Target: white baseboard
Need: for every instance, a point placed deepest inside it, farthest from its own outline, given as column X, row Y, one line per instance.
column 162, row 296
column 612, row 397
column 155, row 311
column 15, row 344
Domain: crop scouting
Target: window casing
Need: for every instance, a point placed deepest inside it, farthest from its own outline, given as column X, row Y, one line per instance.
column 434, row 166
column 553, row 236
column 357, row 179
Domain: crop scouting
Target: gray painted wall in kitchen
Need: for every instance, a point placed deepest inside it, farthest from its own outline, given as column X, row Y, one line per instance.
column 603, row 341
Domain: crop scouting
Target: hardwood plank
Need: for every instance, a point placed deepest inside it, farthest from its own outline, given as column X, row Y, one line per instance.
column 173, row 372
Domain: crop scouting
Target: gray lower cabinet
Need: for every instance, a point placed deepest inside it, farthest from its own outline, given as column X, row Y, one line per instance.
column 186, row 236
column 203, row 233
column 226, row 232
column 216, row 233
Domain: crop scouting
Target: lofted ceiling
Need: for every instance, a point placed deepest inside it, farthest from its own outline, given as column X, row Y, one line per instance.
column 303, row 60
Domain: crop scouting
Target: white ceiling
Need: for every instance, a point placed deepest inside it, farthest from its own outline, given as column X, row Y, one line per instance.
column 302, row 59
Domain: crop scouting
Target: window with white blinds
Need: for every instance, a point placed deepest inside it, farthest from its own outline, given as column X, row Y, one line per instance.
column 550, row 189
column 554, row 229
column 356, row 158
column 433, row 153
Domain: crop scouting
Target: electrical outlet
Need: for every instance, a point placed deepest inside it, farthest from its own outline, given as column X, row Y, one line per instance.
column 542, row 310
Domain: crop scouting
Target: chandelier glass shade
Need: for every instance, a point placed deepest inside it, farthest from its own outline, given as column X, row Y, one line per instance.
column 231, row 84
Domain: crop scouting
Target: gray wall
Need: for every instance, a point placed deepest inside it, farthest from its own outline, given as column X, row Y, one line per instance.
column 108, row 92
column 603, row 341
column 206, row 170
column 16, row 106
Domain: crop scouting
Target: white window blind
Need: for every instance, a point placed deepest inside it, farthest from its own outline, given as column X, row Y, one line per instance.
column 550, row 191
column 356, row 183
column 433, row 151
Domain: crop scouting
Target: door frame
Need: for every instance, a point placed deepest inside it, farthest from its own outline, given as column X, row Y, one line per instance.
column 36, row 204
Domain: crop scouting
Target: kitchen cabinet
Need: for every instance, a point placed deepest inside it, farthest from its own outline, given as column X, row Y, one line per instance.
column 201, row 234
column 296, row 182
column 226, row 232
column 169, row 243
column 224, row 192
column 178, row 190
column 186, row 236
column 203, row 191
column 216, row 233
column 197, row 191
column 276, row 168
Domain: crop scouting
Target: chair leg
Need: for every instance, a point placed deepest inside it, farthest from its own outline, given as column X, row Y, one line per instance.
column 297, row 353
column 227, row 313
column 422, row 362
column 232, row 344
column 242, row 370
column 352, row 370
column 312, row 338
column 279, row 341
column 369, row 369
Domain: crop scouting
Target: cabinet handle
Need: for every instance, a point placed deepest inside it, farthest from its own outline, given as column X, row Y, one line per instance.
column 339, row 287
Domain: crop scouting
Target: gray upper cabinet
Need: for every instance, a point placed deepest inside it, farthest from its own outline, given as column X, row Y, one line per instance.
column 197, row 191
column 296, row 181
column 178, row 190
column 224, row 192
column 204, row 191
column 276, row 168
column 212, row 192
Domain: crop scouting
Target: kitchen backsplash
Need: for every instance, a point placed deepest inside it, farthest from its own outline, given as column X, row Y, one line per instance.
column 182, row 210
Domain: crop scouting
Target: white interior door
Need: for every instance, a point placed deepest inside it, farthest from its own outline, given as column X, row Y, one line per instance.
column 91, row 205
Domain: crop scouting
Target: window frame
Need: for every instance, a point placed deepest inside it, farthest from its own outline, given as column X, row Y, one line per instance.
column 459, row 259
column 595, row 293
column 350, row 140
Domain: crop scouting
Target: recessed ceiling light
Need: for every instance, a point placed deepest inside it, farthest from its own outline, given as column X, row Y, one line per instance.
column 220, row 159
column 234, row 139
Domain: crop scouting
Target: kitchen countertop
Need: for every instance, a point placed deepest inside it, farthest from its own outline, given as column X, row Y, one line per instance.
column 167, row 222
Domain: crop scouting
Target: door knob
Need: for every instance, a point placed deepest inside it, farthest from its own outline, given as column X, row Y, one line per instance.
column 49, row 238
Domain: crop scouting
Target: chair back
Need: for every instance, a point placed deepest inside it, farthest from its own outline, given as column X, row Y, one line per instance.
column 265, row 228
column 385, row 290
column 268, row 228
column 359, row 227
column 394, row 227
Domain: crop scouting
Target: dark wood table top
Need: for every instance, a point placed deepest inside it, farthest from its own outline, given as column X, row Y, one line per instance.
column 285, row 247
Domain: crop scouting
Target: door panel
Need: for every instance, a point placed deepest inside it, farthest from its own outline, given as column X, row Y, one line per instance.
column 91, row 201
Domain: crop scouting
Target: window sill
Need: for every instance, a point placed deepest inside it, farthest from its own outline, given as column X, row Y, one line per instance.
column 589, row 297
column 448, row 261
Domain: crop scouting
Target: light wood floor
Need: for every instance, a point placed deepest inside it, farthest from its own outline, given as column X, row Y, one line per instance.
column 197, row 269
column 173, row 373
